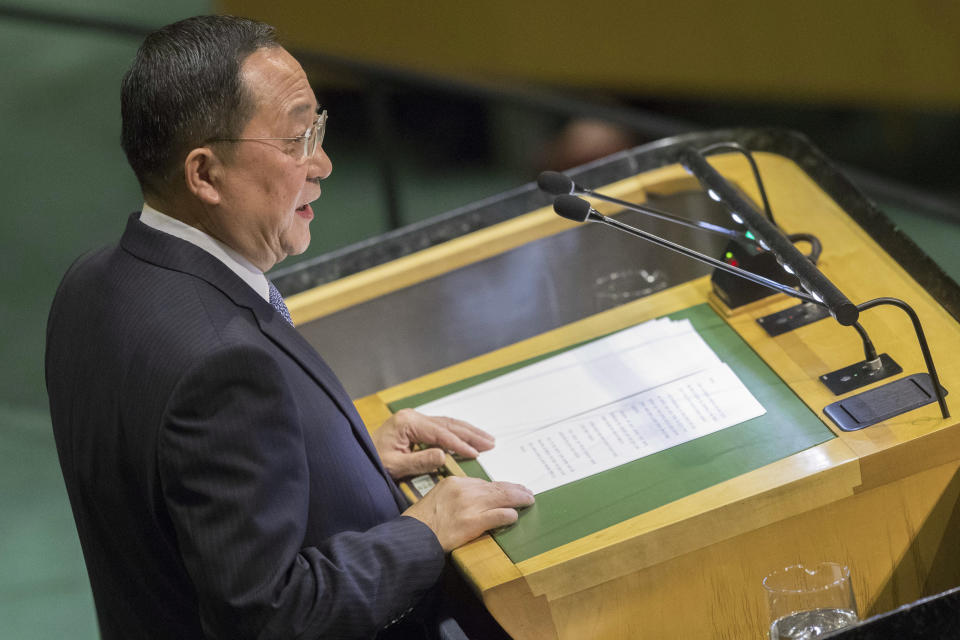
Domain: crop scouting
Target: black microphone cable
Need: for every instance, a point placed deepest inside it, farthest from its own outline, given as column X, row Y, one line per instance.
column 736, row 146
column 815, row 246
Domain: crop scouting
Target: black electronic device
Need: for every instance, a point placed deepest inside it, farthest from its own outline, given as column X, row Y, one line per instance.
column 733, row 289
column 792, row 318
column 883, row 402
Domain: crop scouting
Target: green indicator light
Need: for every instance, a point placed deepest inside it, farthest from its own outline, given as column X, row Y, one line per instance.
column 750, row 235
column 728, row 255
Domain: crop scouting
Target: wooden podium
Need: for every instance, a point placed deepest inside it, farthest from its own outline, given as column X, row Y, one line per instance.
column 881, row 500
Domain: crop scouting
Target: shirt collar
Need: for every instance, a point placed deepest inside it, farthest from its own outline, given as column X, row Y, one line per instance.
column 233, row 260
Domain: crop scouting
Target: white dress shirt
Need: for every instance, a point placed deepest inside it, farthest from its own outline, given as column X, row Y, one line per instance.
column 236, row 262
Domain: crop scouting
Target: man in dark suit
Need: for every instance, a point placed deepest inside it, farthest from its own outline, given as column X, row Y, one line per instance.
column 222, row 482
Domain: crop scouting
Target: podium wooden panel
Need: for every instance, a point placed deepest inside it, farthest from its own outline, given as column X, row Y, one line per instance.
column 881, row 500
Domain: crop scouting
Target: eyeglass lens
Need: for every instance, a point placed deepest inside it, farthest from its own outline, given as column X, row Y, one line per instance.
column 316, row 135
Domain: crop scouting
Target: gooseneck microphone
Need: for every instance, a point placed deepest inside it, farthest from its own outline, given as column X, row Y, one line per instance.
column 558, row 184
column 579, row 210
column 770, row 237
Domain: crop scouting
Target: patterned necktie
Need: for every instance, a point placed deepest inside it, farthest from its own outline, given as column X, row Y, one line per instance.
column 277, row 301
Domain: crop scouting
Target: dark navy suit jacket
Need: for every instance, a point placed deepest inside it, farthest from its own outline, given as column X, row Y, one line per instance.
column 222, row 482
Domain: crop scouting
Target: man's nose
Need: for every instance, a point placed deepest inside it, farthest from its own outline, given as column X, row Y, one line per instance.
column 319, row 164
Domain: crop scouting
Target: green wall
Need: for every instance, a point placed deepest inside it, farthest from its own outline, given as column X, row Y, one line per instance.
column 65, row 189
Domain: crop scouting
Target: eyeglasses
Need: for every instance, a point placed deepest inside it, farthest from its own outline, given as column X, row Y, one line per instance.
column 308, row 142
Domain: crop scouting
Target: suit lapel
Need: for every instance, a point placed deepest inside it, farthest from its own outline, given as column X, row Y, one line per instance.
column 173, row 253
column 290, row 340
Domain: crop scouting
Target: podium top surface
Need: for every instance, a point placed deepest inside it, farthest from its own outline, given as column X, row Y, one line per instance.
column 586, row 506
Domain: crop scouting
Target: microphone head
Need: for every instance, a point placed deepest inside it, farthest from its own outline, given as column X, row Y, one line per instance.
column 572, row 208
column 555, row 183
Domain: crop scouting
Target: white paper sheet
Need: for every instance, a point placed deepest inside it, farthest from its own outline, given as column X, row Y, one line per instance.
column 600, row 405
column 648, row 422
column 575, row 381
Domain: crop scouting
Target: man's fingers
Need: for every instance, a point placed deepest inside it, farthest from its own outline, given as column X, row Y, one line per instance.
column 511, row 494
column 495, row 504
column 417, row 462
column 430, row 431
column 460, row 509
column 477, row 438
column 496, row 518
column 490, row 496
column 452, row 435
column 453, row 443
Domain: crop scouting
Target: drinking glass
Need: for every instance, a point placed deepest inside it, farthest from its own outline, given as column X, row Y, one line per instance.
column 807, row 602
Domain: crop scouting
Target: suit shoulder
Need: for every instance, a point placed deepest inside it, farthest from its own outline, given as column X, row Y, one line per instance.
column 115, row 297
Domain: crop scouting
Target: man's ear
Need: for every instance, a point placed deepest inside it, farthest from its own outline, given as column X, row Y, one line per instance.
column 202, row 171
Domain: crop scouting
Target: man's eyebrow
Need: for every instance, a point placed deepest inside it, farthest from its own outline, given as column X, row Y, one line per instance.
column 304, row 107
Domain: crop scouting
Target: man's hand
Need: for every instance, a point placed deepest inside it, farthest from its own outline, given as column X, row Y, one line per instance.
column 460, row 509
column 396, row 436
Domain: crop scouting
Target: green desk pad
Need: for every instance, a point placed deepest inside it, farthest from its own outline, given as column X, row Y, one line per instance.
column 586, row 506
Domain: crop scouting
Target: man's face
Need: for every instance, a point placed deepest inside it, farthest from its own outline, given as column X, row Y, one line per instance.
column 264, row 212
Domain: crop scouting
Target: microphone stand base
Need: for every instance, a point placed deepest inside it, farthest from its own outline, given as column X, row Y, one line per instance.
column 860, row 374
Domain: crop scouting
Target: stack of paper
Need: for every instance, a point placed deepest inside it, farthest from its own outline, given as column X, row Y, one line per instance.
column 603, row 404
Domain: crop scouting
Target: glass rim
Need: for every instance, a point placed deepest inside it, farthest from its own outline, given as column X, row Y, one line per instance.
column 315, row 138
column 844, row 575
